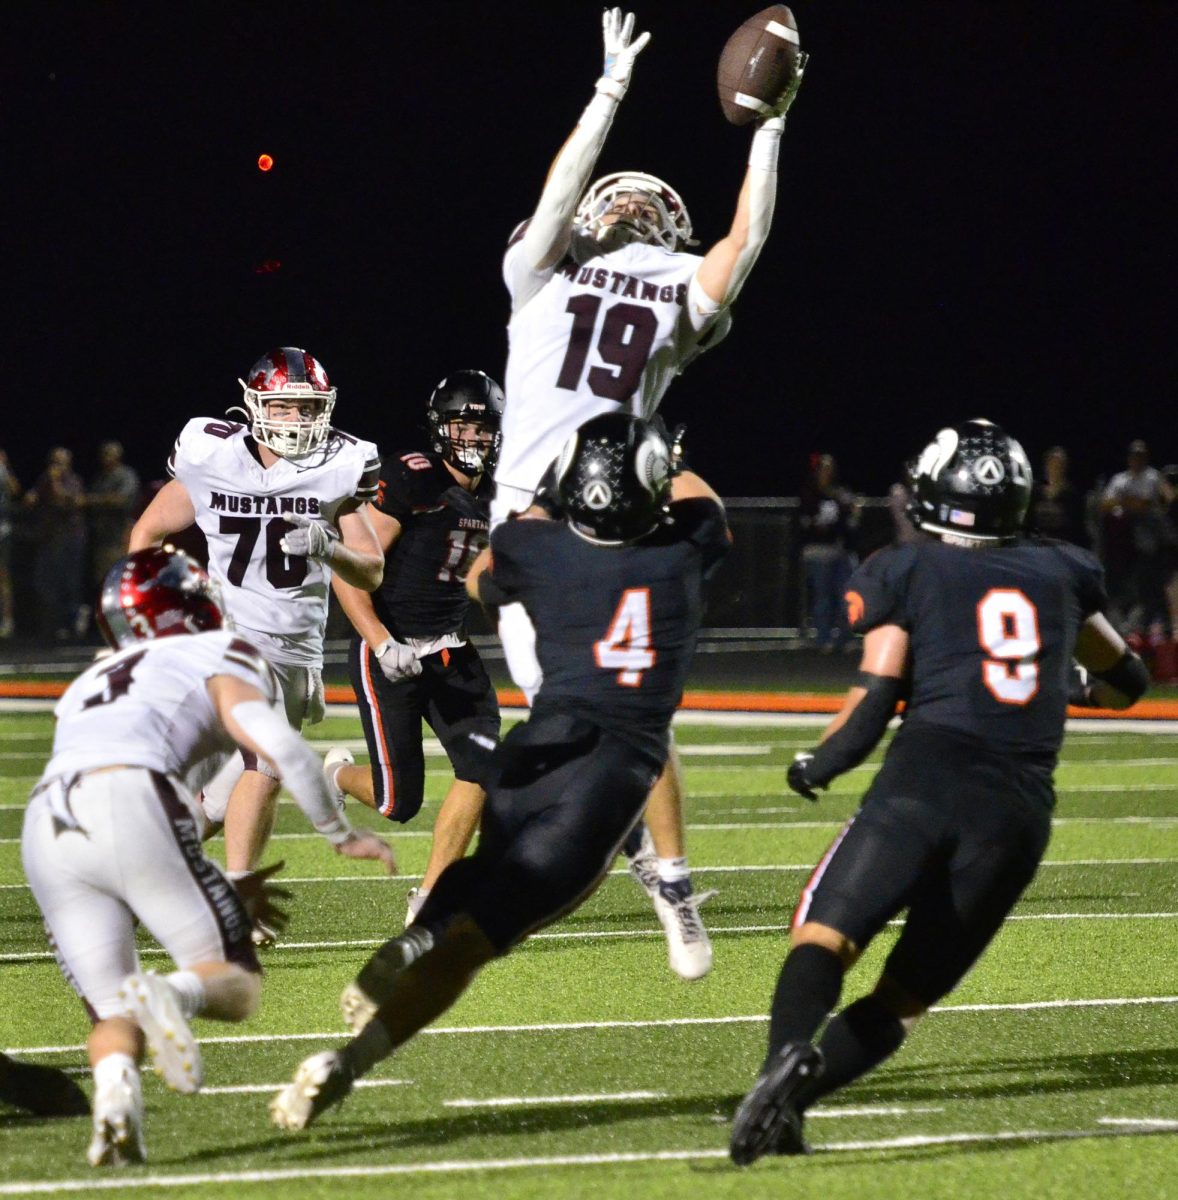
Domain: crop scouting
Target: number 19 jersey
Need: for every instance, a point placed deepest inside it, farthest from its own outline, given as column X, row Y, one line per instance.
column 278, row 601
column 586, row 339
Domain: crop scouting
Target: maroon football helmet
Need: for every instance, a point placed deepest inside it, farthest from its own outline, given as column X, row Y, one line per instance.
column 156, row 593
column 290, row 374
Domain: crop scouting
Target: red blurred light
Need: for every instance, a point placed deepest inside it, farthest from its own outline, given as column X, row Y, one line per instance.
column 265, row 162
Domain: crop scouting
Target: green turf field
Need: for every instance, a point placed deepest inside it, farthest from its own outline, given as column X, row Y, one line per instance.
column 582, row 1067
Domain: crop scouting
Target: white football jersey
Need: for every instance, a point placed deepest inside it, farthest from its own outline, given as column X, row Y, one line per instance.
column 147, row 706
column 595, row 338
column 240, row 507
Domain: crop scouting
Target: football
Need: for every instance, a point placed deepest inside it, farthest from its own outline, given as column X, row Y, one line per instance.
column 758, row 64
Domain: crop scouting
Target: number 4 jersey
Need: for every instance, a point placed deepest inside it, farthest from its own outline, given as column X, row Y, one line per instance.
column 279, row 602
column 443, row 527
column 589, row 339
column 615, row 625
column 991, row 634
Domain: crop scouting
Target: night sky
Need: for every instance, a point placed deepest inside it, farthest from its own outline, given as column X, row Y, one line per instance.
column 976, row 217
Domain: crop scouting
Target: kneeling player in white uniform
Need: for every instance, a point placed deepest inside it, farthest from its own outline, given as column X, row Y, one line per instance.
column 112, row 832
column 606, row 309
column 282, row 504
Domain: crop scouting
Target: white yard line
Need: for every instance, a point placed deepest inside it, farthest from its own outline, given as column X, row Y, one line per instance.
column 624, row 873
column 582, row 1098
column 589, row 935
column 258, row 1089
column 336, row 1035
column 459, row 1166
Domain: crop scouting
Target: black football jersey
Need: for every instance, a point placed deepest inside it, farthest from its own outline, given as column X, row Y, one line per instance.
column 615, row 626
column 443, row 527
column 992, row 632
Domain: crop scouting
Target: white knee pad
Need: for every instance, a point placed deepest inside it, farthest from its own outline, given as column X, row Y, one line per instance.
column 214, row 797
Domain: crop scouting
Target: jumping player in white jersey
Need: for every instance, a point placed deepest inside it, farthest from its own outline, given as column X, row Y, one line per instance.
column 607, row 307
column 112, row 832
column 282, row 504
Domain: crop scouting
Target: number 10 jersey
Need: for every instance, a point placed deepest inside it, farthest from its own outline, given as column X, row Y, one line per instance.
column 278, row 601
column 586, row 339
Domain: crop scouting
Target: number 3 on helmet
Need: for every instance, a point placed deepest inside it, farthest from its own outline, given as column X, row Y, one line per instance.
column 154, row 593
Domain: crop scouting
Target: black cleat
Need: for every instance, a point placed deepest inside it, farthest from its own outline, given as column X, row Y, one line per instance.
column 43, row 1091
column 769, row 1119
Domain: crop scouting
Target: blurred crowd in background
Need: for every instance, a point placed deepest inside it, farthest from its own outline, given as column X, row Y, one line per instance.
column 61, row 533
column 1130, row 520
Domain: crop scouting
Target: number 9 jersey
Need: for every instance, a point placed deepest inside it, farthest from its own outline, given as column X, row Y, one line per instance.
column 992, row 631
column 592, row 338
column 278, row 601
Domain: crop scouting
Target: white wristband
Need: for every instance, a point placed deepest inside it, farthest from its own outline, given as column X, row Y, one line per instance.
column 765, row 145
column 606, row 86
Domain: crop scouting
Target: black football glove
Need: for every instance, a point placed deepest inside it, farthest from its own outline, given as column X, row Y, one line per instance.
column 798, row 778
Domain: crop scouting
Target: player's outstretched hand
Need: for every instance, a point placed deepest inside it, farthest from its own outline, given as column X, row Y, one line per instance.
column 620, row 51
column 791, row 92
column 259, row 896
column 397, row 661
column 309, row 538
column 368, row 845
column 798, row 776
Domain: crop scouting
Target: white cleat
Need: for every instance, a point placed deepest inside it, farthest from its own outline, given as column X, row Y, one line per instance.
column 263, row 936
column 356, row 1006
column 118, row 1123
column 689, row 949
column 337, row 756
column 154, row 1006
column 320, row 1081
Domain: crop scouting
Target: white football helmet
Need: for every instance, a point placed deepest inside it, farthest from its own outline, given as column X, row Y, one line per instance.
column 292, row 374
column 661, row 221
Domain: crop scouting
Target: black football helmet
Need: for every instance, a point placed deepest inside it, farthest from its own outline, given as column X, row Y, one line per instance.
column 971, row 482
column 154, row 593
column 614, row 479
column 467, row 398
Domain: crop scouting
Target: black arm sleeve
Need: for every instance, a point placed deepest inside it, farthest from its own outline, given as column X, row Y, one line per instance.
column 849, row 746
column 1128, row 675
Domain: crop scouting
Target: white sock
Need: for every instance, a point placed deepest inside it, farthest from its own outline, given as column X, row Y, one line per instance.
column 190, row 991
column 112, row 1068
column 671, row 870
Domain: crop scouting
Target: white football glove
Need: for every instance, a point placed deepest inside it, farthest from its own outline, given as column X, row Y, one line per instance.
column 309, row 538
column 397, row 661
column 620, row 51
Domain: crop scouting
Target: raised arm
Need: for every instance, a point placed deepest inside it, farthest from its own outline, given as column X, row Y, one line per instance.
column 727, row 264
column 549, row 232
column 168, row 513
